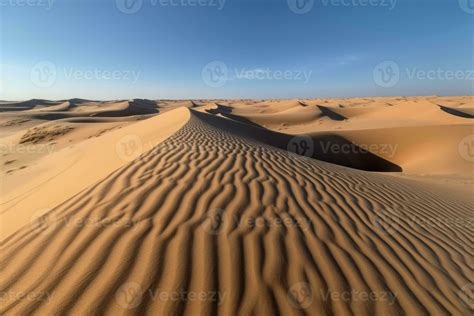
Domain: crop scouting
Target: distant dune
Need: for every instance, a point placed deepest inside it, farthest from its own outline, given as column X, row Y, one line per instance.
column 237, row 207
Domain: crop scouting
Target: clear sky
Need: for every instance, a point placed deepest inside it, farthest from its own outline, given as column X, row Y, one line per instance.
column 179, row 49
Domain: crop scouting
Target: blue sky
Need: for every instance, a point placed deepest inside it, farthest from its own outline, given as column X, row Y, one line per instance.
column 179, row 49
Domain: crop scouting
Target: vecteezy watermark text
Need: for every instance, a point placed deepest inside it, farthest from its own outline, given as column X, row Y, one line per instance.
column 47, row 4
column 130, row 295
column 33, row 296
column 305, row 6
column 26, row 148
column 133, row 6
column 44, row 74
column 387, row 150
column 216, row 74
column 387, row 74
column 355, row 295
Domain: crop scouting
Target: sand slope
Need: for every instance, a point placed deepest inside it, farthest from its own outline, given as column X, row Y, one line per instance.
column 178, row 219
column 58, row 176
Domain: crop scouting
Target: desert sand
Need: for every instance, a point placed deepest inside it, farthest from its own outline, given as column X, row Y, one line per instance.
column 355, row 206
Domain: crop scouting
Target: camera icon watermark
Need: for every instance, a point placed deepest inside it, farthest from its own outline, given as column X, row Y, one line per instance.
column 215, row 74
column 43, row 219
column 467, row 6
column 301, row 145
column 466, row 148
column 129, row 6
column 300, row 6
column 387, row 74
column 300, row 295
column 467, row 294
column 43, row 74
column 129, row 147
column 129, row 295
column 386, row 222
column 214, row 221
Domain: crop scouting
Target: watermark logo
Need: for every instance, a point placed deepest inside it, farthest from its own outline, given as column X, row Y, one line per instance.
column 300, row 6
column 354, row 295
column 100, row 74
column 129, row 147
column 387, row 150
column 390, row 4
column 219, row 4
column 467, row 6
column 301, row 145
column 467, row 294
column 15, row 296
column 43, row 74
column 27, row 148
column 440, row 74
column 386, row 222
column 466, row 148
column 133, row 6
column 43, row 219
column 129, row 6
column 214, row 221
column 129, row 295
column 215, row 74
column 387, row 74
column 300, row 295
column 47, row 4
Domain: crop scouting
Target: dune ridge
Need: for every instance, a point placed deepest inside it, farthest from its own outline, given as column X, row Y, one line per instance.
column 178, row 218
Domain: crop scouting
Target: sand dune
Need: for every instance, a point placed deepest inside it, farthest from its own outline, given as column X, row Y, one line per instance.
column 213, row 216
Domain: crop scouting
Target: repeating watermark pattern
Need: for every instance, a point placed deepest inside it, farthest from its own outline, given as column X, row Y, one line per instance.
column 134, row 6
column 216, row 74
column 386, row 222
column 34, row 296
column 300, row 295
column 131, row 294
column 467, row 6
column 427, row 223
column 26, row 148
column 301, row 145
column 129, row 6
column 387, row 150
column 355, row 295
column 44, row 74
column 387, row 74
column 389, row 223
column 466, row 148
column 389, row 4
column 43, row 219
column 300, row 6
column 215, row 219
column 46, row 4
column 439, row 74
column 467, row 294
column 305, row 6
column 98, row 222
column 129, row 147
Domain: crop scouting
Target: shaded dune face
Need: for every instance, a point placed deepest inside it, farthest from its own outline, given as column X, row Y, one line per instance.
column 321, row 144
column 465, row 113
column 259, row 231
